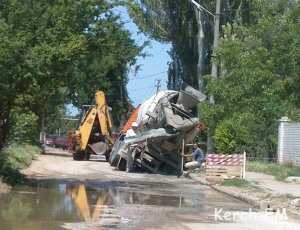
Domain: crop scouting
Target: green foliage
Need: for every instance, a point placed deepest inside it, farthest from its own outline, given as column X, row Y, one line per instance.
column 174, row 21
column 171, row 21
column 58, row 52
column 235, row 183
column 14, row 158
column 258, row 65
column 258, row 61
column 20, row 156
column 24, row 126
column 55, row 122
column 233, row 134
column 280, row 172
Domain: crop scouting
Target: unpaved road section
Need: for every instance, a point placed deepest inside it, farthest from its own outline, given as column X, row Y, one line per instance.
column 60, row 167
column 276, row 187
column 67, row 194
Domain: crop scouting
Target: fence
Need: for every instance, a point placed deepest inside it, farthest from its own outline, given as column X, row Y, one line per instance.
column 263, row 159
column 221, row 166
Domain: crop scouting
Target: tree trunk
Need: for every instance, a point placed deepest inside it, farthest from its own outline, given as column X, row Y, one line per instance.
column 214, row 71
column 200, row 44
column 4, row 128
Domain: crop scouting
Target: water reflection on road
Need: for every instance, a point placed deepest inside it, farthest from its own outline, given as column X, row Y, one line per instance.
column 106, row 205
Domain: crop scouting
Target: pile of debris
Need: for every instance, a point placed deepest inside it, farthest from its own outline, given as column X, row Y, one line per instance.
column 154, row 136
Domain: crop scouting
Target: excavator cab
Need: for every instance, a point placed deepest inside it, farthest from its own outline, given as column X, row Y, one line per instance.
column 94, row 133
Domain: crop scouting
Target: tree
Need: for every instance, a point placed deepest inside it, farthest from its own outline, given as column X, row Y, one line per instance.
column 259, row 67
column 258, row 59
column 57, row 52
column 190, row 33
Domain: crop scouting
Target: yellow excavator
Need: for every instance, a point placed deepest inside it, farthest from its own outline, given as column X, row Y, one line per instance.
column 94, row 133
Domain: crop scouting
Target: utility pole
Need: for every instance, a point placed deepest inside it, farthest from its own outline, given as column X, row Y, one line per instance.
column 214, row 69
column 157, row 85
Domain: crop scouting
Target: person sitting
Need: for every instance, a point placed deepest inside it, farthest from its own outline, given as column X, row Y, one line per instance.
column 198, row 158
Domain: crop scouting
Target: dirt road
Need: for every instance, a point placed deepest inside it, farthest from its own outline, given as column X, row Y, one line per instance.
column 67, row 194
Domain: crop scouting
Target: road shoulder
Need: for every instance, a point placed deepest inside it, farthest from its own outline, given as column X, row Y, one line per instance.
column 258, row 195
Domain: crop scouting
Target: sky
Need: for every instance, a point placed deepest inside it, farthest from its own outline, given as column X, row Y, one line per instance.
column 141, row 86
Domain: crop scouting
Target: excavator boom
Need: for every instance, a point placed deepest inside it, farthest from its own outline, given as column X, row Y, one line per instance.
column 94, row 133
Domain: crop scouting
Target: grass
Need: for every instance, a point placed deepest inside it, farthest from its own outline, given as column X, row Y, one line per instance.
column 280, row 172
column 235, row 183
column 14, row 158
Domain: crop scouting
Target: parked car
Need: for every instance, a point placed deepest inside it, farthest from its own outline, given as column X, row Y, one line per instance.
column 61, row 142
column 49, row 141
column 56, row 141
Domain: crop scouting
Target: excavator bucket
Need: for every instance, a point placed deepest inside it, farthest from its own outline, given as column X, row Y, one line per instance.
column 99, row 148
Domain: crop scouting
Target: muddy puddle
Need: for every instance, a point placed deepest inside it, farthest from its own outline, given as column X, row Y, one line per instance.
column 108, row 205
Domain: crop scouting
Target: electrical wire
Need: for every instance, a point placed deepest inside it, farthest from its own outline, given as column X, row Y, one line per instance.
column 139, row 89
column 147, row 76
column 139, row 78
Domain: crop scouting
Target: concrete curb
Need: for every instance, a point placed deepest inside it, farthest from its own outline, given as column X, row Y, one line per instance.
column 250, row 200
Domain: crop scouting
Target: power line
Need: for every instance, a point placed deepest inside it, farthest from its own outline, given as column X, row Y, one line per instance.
column 138, row 78
column 162, row 84
column 200, row 7
column 144, row 96
column 139, row 89
column 147, row 76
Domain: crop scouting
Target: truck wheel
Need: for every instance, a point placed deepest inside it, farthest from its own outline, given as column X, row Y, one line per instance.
column 107, row 156
column 78, row 156
column 87, row 156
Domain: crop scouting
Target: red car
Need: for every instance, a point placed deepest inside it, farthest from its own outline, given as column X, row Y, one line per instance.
column 56, row 141
column 49, row 141
column 61, row 142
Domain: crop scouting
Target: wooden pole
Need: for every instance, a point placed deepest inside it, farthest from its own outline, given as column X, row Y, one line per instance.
column 244, row 165
column 182, row 158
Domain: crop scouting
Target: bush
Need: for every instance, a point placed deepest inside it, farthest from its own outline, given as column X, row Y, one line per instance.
column 280, row 172
column 235, row 134
column 245, row 132
column 23, row 126
column 14, row 158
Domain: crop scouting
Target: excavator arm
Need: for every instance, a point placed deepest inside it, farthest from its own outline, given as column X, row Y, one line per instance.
column 85, row 129
column 94, row 130
column 103, row 115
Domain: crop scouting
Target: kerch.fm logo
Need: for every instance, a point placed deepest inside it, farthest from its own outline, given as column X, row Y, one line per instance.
column 222, row 215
